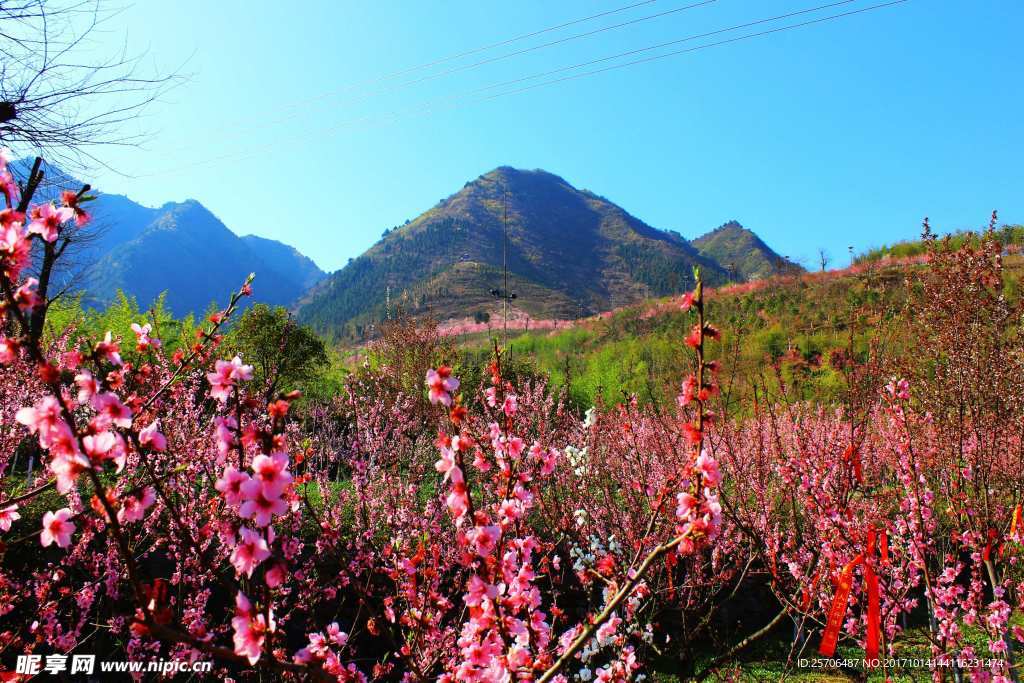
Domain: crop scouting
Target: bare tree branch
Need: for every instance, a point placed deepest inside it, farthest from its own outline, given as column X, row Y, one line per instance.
column 58, row 99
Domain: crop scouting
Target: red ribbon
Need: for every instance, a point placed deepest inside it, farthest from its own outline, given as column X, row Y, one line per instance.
column 1014, row 523
column 874, row 607
column 837, row 611
column 986, row 554
column 830, row 637
column 852, row 456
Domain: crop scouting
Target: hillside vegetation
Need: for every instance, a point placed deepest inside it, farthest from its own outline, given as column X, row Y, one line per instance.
column 787, row 334
column 1010, row 236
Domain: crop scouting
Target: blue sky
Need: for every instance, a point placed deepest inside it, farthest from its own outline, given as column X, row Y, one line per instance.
column 847, row 132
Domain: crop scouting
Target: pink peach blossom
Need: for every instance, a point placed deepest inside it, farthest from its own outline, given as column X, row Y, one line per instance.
column 249, row 552
column 272, row 473
column 230, row 485
column 258, row 505
column 57, row 529
column 133, row 507
column 8, row 515
column 47, row 219
column 110, row 410
column 442, row 385
column 109, row 349
column 151, row 437
column 142, row 339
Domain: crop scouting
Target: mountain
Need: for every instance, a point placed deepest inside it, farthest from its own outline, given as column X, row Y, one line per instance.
column 189, row 253
column 285, row 259
column 742, row 253
column 180, row 248
column 570, row 252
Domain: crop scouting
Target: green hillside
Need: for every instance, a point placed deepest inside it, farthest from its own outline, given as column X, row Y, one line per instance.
column 790, row 328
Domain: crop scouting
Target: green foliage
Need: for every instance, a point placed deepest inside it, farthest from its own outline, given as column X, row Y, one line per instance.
column 284, row 354
column 266, row 337
column 771, row 342
column 66, row 315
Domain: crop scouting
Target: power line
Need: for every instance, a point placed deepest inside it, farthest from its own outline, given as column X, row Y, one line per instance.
column 552, row 43
column 702, row 47
column 458, row 96
column 696, row 36
column 459, row 55
column 461, row 98
column 507, row 41
column 627, row 53
column 361, row 96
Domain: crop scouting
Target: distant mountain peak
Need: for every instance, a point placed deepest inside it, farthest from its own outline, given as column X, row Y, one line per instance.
column 182, row 205
column 744, row 255
column 181, row 248
column 513, row 173
column 569, row 252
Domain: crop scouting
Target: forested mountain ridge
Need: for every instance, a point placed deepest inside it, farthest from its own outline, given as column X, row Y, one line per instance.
column 570, row 252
